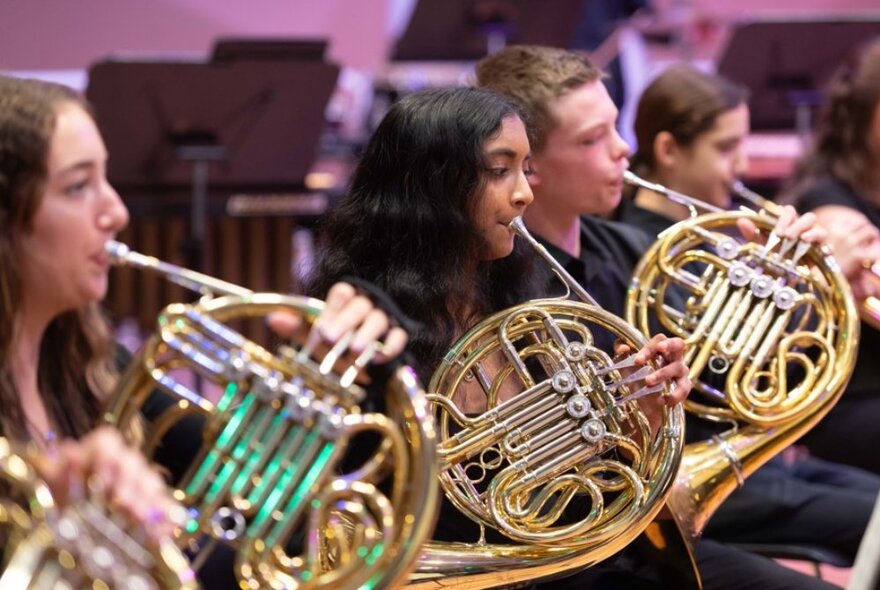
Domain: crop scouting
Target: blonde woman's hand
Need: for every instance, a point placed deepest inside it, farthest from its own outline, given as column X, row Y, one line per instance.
column 103, row 466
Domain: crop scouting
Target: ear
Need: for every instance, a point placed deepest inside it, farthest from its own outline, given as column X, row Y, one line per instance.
column 665, row 149
column 535, row 177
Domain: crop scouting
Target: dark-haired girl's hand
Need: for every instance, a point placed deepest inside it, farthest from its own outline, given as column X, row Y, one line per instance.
column 670, row 351
column 348, row 312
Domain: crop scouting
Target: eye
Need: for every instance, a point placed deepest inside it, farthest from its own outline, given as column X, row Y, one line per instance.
column 498, row 171
column 76, row 188
column 594, row 138
column 728, row 146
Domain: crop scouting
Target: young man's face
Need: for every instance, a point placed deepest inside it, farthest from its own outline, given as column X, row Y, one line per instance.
column 580, row 168
column 708, row 167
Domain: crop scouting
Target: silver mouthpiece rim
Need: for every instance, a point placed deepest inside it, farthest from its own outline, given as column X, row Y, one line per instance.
column 517, row 225
column 630, row 177
column 117, row 251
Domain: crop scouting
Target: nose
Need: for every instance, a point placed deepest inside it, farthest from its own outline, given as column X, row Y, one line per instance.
column 522, row 193
column 740, row 162
column 113, row 214
column 619, row 148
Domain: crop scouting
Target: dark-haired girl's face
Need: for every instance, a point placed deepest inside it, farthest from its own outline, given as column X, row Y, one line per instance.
column 507, row 192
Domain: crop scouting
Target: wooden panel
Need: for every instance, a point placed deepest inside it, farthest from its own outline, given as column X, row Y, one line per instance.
column 253, row 252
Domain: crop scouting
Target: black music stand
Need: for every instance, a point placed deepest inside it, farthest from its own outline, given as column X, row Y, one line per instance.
column 228, row 49
column 466, row 30
column 785, row 64
column 256, row 123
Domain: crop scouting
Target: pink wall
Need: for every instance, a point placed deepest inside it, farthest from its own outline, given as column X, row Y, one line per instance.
column 71, row 34
column 776, row 8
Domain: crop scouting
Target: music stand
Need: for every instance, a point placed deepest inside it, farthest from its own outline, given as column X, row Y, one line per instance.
column 785, row 64
column 235, row 48
column 256, row 123
column 466, row 30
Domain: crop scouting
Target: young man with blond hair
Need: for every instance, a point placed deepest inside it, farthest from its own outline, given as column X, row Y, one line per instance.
column 577, row 165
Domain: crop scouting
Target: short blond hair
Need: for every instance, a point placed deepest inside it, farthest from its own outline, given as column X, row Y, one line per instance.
column 535, row 76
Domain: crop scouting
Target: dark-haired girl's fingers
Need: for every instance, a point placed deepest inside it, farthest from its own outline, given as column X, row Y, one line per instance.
column 283, row 323
column 395, row 343
column 371, row 329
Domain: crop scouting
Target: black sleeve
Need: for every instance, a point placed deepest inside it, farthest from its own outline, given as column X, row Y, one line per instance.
column 181, row 444
column 825, row 191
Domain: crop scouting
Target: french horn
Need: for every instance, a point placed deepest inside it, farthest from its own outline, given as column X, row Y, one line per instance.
column 80, row 546
column 771, row 332
column 559, row 431
column 311, row 481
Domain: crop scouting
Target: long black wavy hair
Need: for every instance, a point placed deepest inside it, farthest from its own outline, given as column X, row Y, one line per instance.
column 406, row 226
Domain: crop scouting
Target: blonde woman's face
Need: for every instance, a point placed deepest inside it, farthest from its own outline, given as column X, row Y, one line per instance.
column 64, row 263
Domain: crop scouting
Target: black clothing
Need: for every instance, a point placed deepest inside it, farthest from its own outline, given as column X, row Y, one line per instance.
column 649, row 222
column 830, row 191
column 865, row 382
column 778, row 503
column 849, row 433
column 609, row 252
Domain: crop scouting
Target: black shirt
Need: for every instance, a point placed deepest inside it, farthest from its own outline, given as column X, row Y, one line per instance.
column 830, row 191
column 648, row 221
column 609, row 253
column 865, row 380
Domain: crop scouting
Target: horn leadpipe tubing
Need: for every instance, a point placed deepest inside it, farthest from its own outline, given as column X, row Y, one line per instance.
column 519, row 227
column 740, row 190
column 675, row 196
column 122, row 255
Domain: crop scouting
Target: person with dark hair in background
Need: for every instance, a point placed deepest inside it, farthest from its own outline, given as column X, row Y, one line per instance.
column 691, row 127
column 577, row 166
column 839, row 180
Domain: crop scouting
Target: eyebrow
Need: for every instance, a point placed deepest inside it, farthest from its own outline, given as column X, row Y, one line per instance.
column 592, row 128
column 727, row 139
column 83, row 165
column 503, row 151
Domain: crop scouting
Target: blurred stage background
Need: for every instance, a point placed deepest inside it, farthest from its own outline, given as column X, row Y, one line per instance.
column 232, row 125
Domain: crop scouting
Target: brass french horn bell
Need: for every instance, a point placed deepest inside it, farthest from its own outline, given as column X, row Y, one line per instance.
column 771, row 332
column 560, row 460
column 311, row 481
